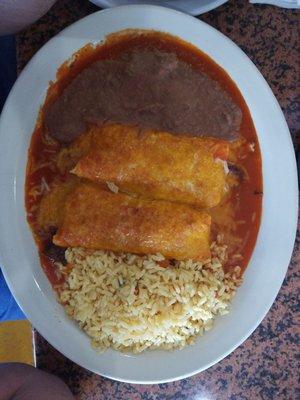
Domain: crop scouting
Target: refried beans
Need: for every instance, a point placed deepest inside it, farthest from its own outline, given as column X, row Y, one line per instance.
column 151, row 89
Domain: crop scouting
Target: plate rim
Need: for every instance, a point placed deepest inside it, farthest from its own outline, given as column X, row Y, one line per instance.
column 199, row 10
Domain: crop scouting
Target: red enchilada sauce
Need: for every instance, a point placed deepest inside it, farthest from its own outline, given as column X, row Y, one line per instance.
column 237, row 219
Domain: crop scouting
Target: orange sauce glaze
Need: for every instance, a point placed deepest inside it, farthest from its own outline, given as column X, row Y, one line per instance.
column 246, row 198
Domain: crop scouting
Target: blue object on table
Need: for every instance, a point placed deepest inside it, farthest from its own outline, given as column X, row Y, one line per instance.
column 9, row 310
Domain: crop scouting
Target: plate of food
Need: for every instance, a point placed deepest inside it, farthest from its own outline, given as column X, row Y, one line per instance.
column 147, row 178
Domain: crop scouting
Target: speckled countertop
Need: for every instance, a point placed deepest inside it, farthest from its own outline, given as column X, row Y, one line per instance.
column 267, row 365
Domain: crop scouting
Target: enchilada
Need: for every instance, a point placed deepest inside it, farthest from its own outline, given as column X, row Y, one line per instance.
column 157, row 165
column 98, row 219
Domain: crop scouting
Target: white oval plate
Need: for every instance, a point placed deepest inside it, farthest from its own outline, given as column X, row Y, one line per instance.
column 192, row 7
column 270, row 259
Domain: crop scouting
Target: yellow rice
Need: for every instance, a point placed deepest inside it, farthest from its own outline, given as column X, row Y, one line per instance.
column 132, row 303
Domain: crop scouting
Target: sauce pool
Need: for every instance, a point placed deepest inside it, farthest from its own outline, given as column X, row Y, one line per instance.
column 245, row 199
